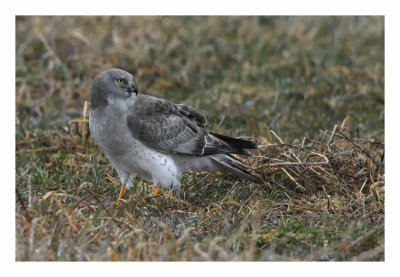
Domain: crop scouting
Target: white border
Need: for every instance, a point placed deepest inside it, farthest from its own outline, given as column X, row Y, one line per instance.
column 207, row 7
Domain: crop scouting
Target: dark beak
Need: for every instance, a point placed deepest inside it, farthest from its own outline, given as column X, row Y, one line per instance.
column 133, row 89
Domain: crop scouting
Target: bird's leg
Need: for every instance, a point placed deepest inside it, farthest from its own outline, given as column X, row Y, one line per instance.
column 121, row 192
column 156, row 191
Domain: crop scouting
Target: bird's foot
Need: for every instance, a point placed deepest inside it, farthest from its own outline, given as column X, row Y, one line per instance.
column 158, row 192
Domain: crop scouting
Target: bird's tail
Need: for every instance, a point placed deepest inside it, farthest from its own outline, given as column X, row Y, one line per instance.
column 232, row 145
column 229, row 164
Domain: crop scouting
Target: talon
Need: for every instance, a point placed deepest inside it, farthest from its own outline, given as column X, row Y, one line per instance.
column 158, row 191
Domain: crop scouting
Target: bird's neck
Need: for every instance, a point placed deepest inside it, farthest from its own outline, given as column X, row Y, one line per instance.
column 121, row 103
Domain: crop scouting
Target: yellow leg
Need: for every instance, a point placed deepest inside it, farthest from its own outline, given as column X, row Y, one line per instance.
column 121, row 192
column 156, row 191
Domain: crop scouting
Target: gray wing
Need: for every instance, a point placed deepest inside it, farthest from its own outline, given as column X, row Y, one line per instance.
column 174, row 128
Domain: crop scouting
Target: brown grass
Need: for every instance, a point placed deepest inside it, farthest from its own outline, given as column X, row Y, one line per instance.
column 337, row 178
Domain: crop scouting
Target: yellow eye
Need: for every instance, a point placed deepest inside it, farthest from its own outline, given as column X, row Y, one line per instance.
column 120, row 81
column 133, row 84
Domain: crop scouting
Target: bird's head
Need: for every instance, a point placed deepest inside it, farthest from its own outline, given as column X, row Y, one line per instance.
column 119, row 82
column 114, row 82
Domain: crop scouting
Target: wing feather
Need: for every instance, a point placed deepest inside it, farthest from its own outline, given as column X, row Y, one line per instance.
column 178, row 128
column 167, row 127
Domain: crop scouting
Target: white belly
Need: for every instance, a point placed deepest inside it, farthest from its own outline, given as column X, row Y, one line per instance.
column 151, row 165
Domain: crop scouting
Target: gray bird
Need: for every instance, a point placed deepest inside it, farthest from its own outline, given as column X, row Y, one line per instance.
column 155, row 138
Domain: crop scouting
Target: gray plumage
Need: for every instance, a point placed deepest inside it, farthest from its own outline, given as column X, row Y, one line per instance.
column 155, row 138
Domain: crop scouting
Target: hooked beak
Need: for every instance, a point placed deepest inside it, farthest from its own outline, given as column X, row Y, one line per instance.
column 133, row 89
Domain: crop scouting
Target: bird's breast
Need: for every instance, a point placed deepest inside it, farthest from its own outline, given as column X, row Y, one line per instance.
column 110, row 132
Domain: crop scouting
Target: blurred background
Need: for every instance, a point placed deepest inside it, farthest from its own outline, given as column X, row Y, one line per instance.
column 298, row 75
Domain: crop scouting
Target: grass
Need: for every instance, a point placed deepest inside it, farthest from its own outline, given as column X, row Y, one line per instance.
column 311, row 89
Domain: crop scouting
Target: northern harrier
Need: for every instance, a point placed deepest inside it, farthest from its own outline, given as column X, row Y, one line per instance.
column 155, row 138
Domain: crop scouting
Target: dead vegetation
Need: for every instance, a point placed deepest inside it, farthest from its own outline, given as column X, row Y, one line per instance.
column 336, row 178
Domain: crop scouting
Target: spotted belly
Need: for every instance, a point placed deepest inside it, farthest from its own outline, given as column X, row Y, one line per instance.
column 149, row 164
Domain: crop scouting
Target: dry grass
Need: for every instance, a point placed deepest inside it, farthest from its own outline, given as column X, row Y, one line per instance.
column 329, row 182
column 323, row 197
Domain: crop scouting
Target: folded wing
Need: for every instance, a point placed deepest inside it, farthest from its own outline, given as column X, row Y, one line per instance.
column 179, row 129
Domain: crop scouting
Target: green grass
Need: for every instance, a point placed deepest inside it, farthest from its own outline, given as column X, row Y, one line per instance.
column 298, row 75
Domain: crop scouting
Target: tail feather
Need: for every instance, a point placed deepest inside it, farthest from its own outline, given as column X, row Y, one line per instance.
column 228, row 164
column 233, row 145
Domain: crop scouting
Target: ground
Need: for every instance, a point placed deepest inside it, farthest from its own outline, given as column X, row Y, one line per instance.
column 310, row 89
